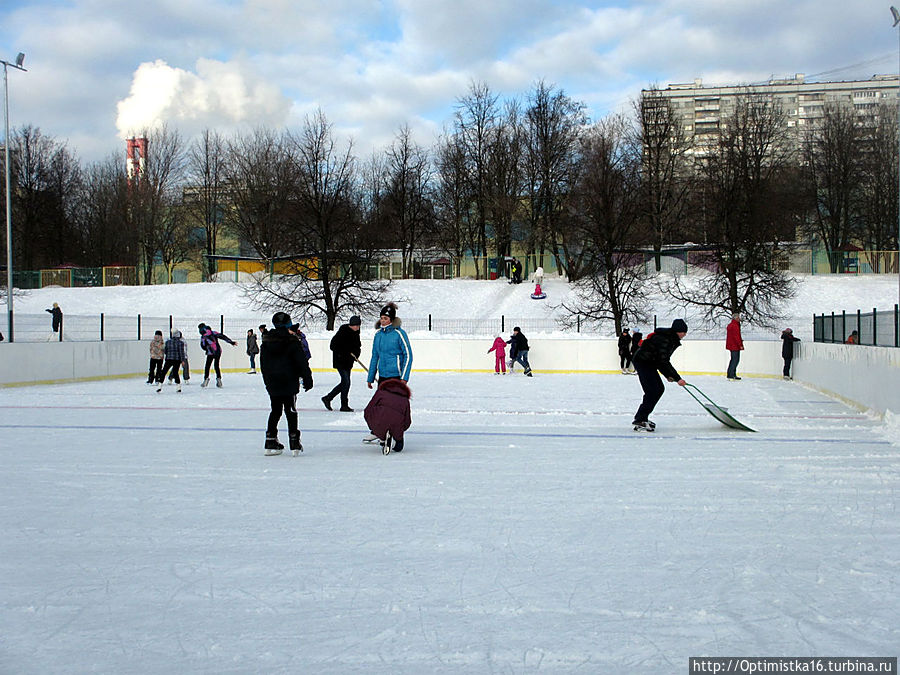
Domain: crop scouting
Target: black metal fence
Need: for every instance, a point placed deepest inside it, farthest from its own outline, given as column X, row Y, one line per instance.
column 878, row 329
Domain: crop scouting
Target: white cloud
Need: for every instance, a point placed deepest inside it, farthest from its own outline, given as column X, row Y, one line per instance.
column 218, row 96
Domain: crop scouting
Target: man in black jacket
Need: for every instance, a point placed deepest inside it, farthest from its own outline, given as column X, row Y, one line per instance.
column 283, row 364
column 346, row 348
column 521, row 349
column 652, row 358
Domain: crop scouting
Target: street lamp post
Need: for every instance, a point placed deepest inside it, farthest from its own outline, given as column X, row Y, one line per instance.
column 20, row 59
column 896, row 16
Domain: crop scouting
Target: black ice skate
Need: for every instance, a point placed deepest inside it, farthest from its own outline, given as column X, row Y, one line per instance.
column 273, row 447
column 294, row 442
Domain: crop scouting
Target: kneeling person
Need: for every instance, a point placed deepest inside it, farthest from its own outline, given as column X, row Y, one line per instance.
column 283, row 364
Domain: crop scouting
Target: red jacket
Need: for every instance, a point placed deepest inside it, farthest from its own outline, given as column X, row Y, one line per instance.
column 733, row 341
column 389, row 409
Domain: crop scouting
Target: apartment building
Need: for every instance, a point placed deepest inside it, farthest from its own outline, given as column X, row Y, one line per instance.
column 703, row 108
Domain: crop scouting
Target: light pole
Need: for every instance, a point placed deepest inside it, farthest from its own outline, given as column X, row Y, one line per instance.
column 896, row 16
column 20, row 59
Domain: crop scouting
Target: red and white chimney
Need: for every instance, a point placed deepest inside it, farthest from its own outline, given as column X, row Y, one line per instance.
column 136, row 153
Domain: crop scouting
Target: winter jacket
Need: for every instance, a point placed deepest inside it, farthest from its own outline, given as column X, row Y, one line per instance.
column 175, row 349
column 157, row 347
column 635, row 342
column 624, row 344
column 520, row 342
column 56, row 320
column 252, row 345
column 389, row 409
column 391, row 353
column 283, row 363
column 656, row 350
column 787, row 345
column 345, row 347
column 499, row 347
column 513, row 347
column 209, row 342
column 733, row 341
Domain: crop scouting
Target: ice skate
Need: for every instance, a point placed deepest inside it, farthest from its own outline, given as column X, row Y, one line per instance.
column 386, row 444
column 327, row 402
column 219, row 382
column 371, row 438
column 294, row 443
column 346, row 408
column 205, row 383
column 643, row 426
column 273, row 447
column 178, row 389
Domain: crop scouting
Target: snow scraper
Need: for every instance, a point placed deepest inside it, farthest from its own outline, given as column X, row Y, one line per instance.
column 716, row 411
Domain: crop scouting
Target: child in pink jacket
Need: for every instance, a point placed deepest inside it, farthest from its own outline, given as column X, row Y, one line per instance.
column 499, row 350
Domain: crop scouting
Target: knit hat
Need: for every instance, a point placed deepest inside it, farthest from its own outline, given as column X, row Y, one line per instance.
column 176, row 334
column 281, row 320
column 355, row 321
column 201, row 327
column 788, row 330
column 389, row 310
column 517, row 330
column 679, row 326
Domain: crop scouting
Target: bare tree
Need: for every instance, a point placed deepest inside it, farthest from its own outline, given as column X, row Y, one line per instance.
column 154, row 192
column 748, row 206
column 452, row 199
column 103, row 215
column 262, row 177
column 207, row 194
column 328, row 271
column 880, row 181
column 552, row 124
column 665, row 181
column 605, row 209
column 833, row 170
column 504, row 186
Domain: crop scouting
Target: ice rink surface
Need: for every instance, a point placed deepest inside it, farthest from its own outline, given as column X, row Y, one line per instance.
column 525, row 528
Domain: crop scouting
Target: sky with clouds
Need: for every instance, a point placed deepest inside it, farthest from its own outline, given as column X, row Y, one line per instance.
column 99, row 70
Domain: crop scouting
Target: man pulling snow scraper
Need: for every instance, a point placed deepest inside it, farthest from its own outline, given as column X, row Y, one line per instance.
column 651, row 359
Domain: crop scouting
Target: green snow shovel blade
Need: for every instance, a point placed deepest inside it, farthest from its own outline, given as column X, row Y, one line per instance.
column 716, row 411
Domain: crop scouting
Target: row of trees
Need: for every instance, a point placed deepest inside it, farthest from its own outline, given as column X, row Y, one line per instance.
column 533, row 170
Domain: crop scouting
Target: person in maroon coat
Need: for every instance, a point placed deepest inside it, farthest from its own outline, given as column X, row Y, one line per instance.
column 388, row 411
column 734, row 344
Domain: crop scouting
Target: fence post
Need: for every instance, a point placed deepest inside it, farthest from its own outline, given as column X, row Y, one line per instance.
column 897, row 325
column 578, row 323
column 502, row 323
column 221, row 323
column 101, row 326
column 859, row 326
column 875, row 326
column 843, row 325
column 429, row 322
column 139, row 327
column 654, row 322
column 170, row 324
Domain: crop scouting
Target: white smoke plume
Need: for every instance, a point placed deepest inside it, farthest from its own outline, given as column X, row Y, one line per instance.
column 219, row 96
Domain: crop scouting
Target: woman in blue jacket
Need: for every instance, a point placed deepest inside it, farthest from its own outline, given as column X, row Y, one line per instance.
column 391, row 359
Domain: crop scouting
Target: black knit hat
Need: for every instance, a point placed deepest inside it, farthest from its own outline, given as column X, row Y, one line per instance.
column 354, row 321
column 679, row 326
column 389, row 310
column 281, row 320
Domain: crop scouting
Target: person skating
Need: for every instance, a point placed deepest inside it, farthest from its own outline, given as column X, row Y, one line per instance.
column 283, row 364
column 209, row 342
column 625, row 351
column 56, row 322
column 513, row 347
column 157, row 356
column 651, row 359
column 734, row 344
column 636, row 338
column 388, row 414
column 787, row 351
column 345, row 349
column 499, row 349
column 521, row 356
column 252, row 350
column 185, row 365
column 176, row 352
column 392, row 355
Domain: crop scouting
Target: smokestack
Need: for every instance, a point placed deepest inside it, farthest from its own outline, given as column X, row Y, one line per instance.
column 136, row 153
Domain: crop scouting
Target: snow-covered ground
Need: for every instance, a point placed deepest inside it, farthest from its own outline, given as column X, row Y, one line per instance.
column 465, row 300
column 525, row 528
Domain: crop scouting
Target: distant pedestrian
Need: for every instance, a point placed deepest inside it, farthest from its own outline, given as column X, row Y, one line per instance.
column 252, row 351
column 734, row 344
column 346, row 348
column 175, row 352
column 651, row 359
column 499, row 349
column 157, row 356
column 787, row 351
column 283, row 364
column 56, row 322
column 521, row 343
column 538, row 276
column 516, row 271
column 209, row 342
column 853, row 338
column 625, row 351
column 636, row 337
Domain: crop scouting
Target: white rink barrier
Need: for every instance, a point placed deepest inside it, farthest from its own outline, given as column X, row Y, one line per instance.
column 868, row 377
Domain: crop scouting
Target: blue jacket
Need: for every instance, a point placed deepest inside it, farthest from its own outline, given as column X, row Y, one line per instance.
column 391, row 353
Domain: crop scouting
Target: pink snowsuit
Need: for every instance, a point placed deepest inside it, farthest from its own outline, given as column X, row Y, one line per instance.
column 499, row 350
